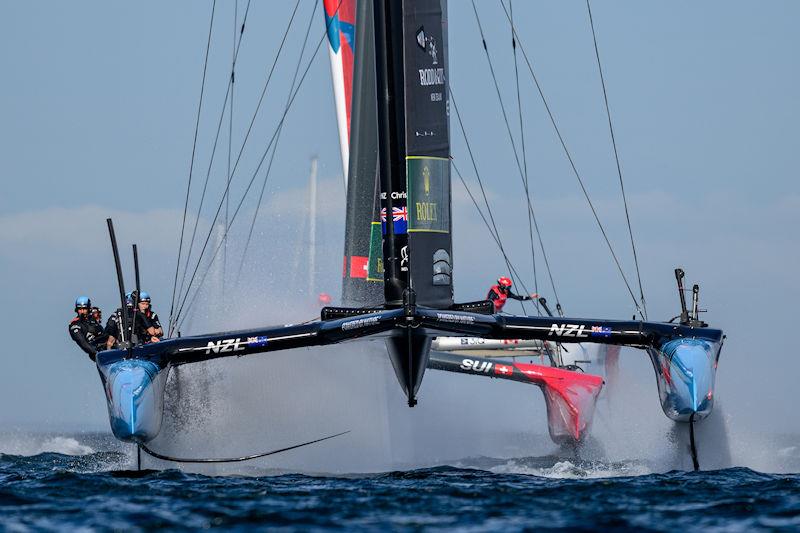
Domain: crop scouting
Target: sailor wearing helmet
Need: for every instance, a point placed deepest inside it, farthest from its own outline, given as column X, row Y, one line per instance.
column 500, row 292
column 146, row 309
column 84, row 331
column 145, row 332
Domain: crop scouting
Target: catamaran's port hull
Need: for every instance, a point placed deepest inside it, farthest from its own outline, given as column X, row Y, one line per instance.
column 135, row 396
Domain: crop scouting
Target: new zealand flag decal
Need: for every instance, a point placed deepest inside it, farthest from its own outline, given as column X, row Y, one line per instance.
column 600, row 331
column 399, row 218
column 257, row 341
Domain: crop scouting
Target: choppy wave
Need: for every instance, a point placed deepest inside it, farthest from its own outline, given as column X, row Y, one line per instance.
column 97, row 490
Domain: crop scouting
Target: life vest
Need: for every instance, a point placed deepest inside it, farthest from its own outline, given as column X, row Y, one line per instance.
column 497, row 297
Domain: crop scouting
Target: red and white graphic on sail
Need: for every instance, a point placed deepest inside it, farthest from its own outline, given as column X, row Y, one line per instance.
column 340, row 17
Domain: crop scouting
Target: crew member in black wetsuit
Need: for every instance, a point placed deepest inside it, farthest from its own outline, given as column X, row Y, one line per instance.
column 147, row 310
column 145, row 332
column 97, row 315
column 499, row 293
column 84, row 331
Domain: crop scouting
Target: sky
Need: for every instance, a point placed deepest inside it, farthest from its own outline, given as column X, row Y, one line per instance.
column 98, row 110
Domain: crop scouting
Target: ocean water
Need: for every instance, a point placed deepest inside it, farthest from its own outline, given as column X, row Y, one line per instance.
column 88, row 483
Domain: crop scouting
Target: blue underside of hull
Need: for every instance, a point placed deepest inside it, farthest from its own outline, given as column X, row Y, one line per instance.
column 685, row 373
column 134, row 394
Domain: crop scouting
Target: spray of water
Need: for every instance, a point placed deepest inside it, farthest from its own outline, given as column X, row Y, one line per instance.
column 242, row 406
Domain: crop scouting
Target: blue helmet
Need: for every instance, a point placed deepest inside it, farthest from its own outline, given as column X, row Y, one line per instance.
column 82, row 302
column 144, row 296
column 129, row 299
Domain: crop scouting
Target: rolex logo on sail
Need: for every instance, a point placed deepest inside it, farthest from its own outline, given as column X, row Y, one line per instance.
column 427, row 212
column 426, row 177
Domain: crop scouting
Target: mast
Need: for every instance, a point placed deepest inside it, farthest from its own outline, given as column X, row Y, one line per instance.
column 389, row 78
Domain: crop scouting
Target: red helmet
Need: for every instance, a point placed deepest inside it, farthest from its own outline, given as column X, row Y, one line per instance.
column 504, row 282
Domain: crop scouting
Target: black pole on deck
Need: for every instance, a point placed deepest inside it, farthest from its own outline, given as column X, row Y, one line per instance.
column 543, row 303
column 136, row 267
column 136, row 295
column 120, row 282
column 679, row 275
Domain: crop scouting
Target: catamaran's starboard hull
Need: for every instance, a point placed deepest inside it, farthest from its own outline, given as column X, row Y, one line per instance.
column 134, row 395
column 685, row 372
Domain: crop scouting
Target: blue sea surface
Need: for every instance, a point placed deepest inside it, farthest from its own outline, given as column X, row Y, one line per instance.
column 99, row 491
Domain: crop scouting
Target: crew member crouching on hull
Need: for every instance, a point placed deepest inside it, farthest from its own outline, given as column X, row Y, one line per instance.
column 84, row 330
column 501, row 292
column 143, row 327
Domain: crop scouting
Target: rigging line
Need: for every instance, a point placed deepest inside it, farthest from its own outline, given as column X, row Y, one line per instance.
column 477, row 174
column 191, row 162
column 264, row 90
column 616, row 158
column 205, row 185
column 219, row 127
column 571, row 161
column 275, row 148
column 496, row 238
column 532, row 212
column 230, row 138
column 252, row 179
column 483, row 190
column 524, row 163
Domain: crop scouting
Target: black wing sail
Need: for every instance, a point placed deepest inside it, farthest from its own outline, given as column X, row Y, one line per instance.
column 363, row 264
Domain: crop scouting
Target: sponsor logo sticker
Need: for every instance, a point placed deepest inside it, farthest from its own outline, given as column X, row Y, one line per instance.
column 360, row 323
column 456, row 319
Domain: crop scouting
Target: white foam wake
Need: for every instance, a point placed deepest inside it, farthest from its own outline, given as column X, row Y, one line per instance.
column 568, row 470
column 27, row 445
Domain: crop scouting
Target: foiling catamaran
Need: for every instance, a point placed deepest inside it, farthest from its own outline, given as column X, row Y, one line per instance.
column 398, row 269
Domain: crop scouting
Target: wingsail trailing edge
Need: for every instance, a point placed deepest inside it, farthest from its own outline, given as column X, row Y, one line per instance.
column 340, row 23
column 398, row 275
